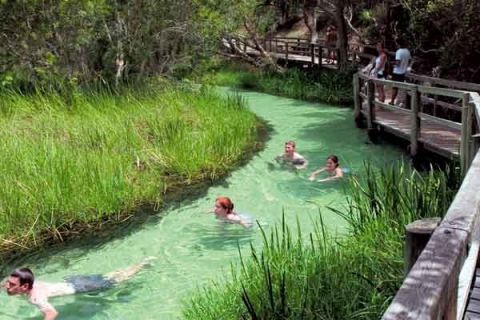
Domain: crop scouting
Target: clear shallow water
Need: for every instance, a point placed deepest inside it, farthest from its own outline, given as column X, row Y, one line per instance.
column 190, row 246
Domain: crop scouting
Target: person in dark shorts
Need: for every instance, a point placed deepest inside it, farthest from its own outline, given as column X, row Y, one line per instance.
column 402, row 60
column 21, row 281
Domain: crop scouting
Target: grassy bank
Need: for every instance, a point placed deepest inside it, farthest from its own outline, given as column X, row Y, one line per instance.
column 96, row 156
column 327, row 277
column 326, row 86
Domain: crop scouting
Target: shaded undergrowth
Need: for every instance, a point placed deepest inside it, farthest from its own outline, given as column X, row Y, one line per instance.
column 324, row 276
column 326, row 86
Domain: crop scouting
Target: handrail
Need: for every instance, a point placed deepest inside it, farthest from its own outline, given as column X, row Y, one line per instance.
column 430, row 289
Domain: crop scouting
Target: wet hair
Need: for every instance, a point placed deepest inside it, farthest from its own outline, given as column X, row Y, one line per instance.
column 334, row 158
column 226, row 203
column 25, row 275
column 291, row 143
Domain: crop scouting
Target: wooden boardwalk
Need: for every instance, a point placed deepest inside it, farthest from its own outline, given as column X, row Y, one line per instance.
column 434, row 137
column 472, row 311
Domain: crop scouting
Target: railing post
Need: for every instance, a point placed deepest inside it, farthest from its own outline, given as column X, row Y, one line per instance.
column 286, row 53
column 415, row 124
column 370, row 104
column 417, row 235
column 320, row 52
column 466, row 134
column 357, row 112
column 312, row 54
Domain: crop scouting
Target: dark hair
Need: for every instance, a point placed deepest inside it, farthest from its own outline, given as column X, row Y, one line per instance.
column 25, row 275
column 334, row 158
column 291, row 143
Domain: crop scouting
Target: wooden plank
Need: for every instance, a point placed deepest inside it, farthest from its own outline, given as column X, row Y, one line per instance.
column 448, row 123
column 466, row 134
column 392, row 107
column 465, row 279
column 370, row 104
column 472, row 316
column 446, row 83
column 426, row 292
column 442, row 91
column 396, row 84
column 441, row 103
column 415, row 123
column 465, row 208
column 474, row 306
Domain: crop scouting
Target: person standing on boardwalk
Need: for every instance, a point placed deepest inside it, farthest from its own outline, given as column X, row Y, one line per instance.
column 401, row 63
column 22, row 282
column 331, row 42
column 378, row 70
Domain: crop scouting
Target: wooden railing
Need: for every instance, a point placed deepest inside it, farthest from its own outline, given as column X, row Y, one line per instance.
column 419, row 96
column 288, row 48
column 431, row 289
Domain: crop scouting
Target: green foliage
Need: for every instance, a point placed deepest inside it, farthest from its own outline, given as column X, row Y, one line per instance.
column 322, row 276
column 97, row 155
column 329, row 87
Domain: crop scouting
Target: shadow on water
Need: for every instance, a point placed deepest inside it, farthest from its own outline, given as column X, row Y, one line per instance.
column 141, row 217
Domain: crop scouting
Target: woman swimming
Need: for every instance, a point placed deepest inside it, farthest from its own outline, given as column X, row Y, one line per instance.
column 332, row 167
column 224, row 211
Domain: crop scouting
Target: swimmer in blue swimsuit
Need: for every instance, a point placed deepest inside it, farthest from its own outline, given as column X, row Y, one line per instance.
column 332, row 168
column 21, row 281
column 224, row 212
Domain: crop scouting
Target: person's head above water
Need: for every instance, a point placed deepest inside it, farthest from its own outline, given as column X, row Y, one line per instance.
column 290, row 147
column 223, row 206
column 332, row 162
column 20, row 281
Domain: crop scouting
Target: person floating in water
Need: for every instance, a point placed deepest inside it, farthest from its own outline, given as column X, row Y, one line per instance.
column 332, row 168
column 22, row 282
column 291, row 157
column 224, row 211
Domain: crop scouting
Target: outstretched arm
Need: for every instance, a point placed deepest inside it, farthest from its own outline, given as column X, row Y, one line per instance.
column 338, row 175
column 316, row 173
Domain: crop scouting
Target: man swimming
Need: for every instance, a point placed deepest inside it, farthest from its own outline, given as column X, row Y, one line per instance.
column 291, row 157
column 22, row 282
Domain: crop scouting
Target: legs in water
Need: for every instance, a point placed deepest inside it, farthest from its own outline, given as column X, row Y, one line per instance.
column 127, row 273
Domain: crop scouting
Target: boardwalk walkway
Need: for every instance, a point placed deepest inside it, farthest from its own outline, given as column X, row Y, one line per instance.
column 436, row 134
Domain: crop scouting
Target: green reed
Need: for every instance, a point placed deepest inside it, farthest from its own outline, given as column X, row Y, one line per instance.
column 323, row 276
column 97, row 155
column 328, row 86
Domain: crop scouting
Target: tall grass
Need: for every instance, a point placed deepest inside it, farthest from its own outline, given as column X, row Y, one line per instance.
column 326, row 86
column 323, row 276
column 96, row 155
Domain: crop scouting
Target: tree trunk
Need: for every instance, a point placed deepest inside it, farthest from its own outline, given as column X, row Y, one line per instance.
column 341, row 34
column 310, row 17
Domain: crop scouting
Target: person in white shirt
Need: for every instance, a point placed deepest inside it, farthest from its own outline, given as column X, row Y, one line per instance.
column 22, row 282
column 291, row 157
column 402, row 60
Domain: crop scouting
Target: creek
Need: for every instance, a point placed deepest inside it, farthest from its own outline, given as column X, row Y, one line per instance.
column 190, row 246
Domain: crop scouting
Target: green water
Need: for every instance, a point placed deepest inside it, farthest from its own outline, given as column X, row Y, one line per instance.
column 191, row 247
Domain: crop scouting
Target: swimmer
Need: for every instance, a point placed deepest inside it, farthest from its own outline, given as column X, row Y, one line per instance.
column 224, row 211
column 290, row 156
column 21, row 282
column 332, row 167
